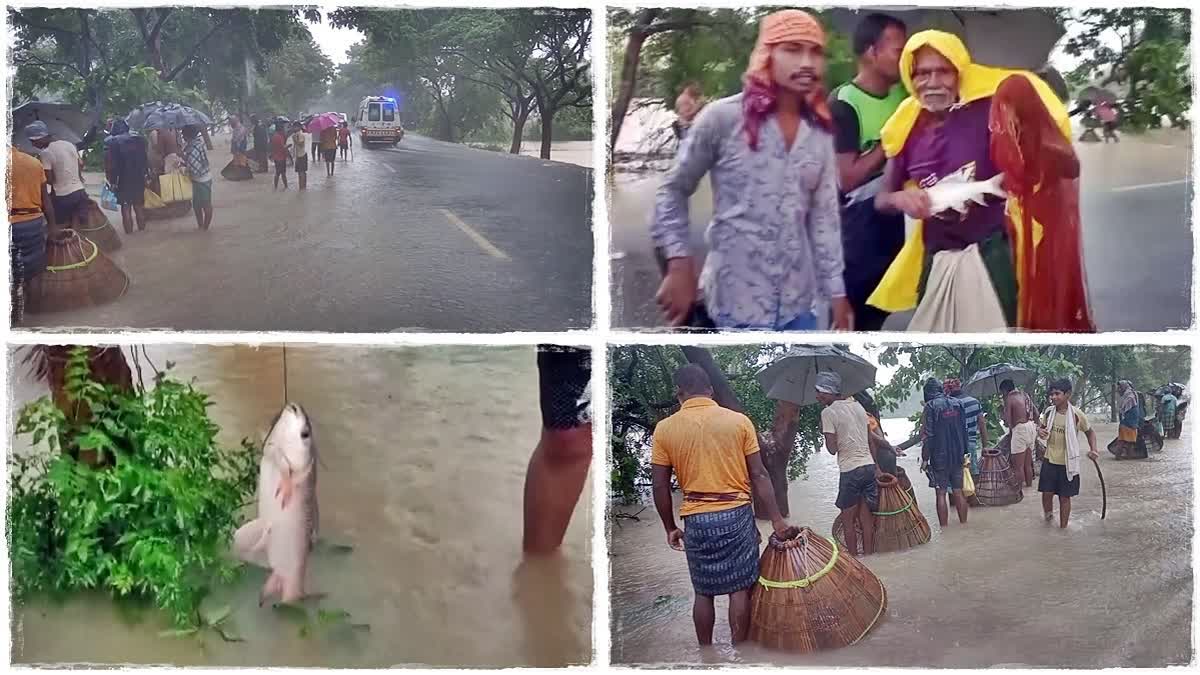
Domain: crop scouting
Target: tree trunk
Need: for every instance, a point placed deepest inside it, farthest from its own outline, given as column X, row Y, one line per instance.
column 107, row 365
column 722, row 392
column 519, row 120
column 777, row 454
column 547, row 118
column 629, row 72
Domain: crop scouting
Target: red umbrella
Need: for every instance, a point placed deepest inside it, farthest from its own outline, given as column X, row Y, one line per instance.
column 324, row 121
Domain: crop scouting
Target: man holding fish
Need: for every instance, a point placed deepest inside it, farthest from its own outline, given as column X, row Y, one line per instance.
column 969, row 268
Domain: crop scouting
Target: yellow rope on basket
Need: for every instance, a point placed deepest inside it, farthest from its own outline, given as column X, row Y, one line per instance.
column 807, row 581
column 878, row 614
column 82, row 263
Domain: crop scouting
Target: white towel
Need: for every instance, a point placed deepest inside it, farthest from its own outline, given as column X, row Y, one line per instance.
column 1071, row 432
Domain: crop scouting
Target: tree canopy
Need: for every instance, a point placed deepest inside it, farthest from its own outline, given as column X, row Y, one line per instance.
column 642, row 393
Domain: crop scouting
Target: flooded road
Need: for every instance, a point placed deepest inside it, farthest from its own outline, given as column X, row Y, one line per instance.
column 1007, row 589
column 424, row 453
column 1152, row 186
column 426, row 236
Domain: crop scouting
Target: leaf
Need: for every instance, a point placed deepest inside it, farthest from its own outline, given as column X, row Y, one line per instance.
column 327, row 616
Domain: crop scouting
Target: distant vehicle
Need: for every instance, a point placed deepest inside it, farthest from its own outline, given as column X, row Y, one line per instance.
column 379, row 121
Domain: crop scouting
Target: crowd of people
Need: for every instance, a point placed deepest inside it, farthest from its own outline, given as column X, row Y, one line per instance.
column 810, row 191
column 713, row 453
column 285, row 144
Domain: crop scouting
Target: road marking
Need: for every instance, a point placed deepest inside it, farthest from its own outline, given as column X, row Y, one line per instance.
column 1146, row 186
column 484, row 244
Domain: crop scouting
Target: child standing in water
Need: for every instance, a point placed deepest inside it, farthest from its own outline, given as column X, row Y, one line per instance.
column 300, row 154
column 1060, row 471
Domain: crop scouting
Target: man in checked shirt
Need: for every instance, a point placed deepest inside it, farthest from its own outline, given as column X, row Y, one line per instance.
column 195, row 158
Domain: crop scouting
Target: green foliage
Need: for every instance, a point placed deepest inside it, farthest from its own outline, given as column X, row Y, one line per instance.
column 642, row 394
column 1150, row 61
column 152, row 520
column 711, row 47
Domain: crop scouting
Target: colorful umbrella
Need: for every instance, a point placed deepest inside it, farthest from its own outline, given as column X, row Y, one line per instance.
column 324, row 121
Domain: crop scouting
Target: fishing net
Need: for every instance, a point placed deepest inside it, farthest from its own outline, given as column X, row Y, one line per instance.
column 78, row 274
column 997, row 484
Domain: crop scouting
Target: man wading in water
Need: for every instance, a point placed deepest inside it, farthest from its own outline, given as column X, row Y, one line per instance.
column 845, row 427
column 1020, row 415
column 1060, row 471
column 776, row 243
column 714, row 454
column 943, row 446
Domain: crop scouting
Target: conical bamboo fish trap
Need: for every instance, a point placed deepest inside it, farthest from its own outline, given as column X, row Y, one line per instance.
column 997, row 485
column 811, row 596
column 77, row 275
column 97, row 228
column 907, row 486
column 899, row 525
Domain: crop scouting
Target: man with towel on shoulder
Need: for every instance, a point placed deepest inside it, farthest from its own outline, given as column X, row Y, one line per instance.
column 845, row 427
column 714, row 454
column 1060, row 472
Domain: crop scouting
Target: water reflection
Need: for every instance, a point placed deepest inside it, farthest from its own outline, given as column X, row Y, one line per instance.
column 425, row 452
column 1005, row 590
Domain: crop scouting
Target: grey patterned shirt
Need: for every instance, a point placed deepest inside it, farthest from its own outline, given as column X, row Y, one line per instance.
column 775, row 242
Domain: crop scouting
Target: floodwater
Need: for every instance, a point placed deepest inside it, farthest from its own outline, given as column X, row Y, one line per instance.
column 424, row 452
column 1007, row 589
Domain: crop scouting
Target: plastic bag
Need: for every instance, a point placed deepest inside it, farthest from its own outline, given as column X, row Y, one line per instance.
column 152, row 200
column 968, row 482
column 108, row 198
column 175, row 187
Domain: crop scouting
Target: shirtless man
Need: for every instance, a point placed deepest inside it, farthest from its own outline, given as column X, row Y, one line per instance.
column 1020, row 416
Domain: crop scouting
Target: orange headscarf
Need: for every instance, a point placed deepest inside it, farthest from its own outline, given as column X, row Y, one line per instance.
column 760, row 91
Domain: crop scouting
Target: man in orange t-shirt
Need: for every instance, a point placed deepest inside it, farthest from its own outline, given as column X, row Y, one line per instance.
column 29, row 209
column 714, row 454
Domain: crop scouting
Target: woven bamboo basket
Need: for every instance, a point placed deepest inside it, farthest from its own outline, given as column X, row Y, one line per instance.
column 907, row 486
column 812, row 596
column 899, row 523
column 77, row 275
column 997, row 484
column 96, row 228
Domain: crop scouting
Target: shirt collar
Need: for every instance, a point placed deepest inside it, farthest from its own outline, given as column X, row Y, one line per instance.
column 698, row 402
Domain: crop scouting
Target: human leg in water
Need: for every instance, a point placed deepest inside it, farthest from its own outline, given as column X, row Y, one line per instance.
column 559, row 465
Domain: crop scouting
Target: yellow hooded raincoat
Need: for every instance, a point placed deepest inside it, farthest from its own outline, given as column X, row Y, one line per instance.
column 897, row 292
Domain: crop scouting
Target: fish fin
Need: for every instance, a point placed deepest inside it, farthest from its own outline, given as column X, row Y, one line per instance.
column 996, row 185
column 250, row 542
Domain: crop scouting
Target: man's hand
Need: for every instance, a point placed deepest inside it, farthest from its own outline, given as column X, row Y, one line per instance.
column 675, row 539
column 677, row 294
column 783, row 531
column 1093, row 455
column 914, row 202
column 843, row 314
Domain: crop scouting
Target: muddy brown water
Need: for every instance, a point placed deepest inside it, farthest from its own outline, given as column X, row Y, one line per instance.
column 425, row 452
column 1007, row 589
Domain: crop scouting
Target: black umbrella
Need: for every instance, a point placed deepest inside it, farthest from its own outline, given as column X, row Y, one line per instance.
column 1096, row 95
column 986, row 382
column 792, row 377
column 65, row 122
column 175, row 116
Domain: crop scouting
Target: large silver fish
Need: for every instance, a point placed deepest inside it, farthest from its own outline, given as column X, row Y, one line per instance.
column 955, row 195
column 282, row 536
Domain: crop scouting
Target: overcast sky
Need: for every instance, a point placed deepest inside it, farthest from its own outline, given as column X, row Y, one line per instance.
column 333, row 41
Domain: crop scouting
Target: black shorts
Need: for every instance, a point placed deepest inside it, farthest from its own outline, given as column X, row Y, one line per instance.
column 302, row 163
column 950, row 479
column 281, row 166
column 1054, row 480
column 857, row 485
column 66, row 206
column 330, row 155
column 564, row 374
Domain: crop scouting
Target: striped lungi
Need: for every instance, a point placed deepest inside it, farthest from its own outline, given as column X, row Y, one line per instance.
column 722, row 550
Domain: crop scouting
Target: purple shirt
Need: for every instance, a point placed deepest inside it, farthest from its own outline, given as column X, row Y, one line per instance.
column 958, row 149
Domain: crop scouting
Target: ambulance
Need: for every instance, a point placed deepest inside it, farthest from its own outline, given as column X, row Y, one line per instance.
column 379, row 121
